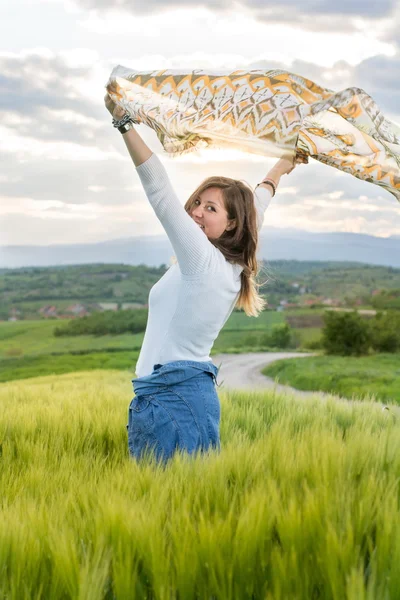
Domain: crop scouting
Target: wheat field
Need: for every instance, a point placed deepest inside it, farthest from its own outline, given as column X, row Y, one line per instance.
column 302, row 502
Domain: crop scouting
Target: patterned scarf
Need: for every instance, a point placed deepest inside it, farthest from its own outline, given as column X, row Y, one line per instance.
column 273, row 113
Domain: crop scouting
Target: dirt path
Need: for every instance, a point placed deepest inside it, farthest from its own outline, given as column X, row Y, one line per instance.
column 243, row 372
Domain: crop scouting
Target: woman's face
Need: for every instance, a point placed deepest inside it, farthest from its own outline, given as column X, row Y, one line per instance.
column 209, row 210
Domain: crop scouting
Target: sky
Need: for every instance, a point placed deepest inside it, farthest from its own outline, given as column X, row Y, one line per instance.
column 66, row 176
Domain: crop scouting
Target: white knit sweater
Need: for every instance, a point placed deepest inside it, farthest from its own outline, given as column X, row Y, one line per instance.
column 192, row 301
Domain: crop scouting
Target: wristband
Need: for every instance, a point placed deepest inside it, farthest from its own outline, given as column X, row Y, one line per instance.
column 270, row 182
column 123, row 125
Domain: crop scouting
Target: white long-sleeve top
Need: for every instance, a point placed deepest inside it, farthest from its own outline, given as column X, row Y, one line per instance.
column 192, row 301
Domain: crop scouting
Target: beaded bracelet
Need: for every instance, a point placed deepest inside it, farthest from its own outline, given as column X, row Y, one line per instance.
column 270, row 182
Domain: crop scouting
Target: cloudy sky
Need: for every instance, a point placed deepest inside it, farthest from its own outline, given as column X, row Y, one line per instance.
column 66, row 176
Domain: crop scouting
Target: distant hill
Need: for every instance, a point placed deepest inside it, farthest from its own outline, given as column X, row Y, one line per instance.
column 66, row 291
column 275, row 244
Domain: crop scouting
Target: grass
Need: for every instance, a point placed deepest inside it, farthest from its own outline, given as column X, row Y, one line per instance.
column 377, row 375
column 306, row 335
column 34, row 366
column 29, row 349
column 33, row 338
column 302, row 501
column 268, row 318
column 113, row 358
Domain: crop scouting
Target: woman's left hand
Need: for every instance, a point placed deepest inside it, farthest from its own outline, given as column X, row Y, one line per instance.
column 286, row 165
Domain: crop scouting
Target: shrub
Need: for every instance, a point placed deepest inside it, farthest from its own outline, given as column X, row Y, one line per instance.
column 250, row 339
column 105, row 323
column 385, row 331
column 312, row 344
column 280, row 335
column 346, row 334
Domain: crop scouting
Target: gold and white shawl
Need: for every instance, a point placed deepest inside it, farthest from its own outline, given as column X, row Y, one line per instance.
column 272, row 113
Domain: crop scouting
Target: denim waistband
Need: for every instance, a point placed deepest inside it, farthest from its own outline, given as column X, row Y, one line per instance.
column 172, row 373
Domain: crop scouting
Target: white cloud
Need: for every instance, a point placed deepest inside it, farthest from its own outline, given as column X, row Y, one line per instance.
column 113, row 24
column 79, row 57
column 78, row 54
column 280, row 42
column 46, row 209
column 25, row 221
column 332, row 218
column 335, row 195
column 34, row 206
column 26, row 148
column 96, row 188
column 348, row 205
column 291, row 191
column 112, row 221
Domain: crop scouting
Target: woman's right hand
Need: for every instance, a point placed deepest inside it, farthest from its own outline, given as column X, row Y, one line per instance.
column 116, row 111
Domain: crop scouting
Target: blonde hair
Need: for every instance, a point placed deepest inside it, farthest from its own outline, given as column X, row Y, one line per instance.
column 240, row 244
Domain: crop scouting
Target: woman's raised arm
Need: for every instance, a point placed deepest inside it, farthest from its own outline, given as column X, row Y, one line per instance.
column 138, row 150
column 284, row 166
column 192, row 248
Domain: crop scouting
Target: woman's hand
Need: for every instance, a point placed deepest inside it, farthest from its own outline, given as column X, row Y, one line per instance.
column 116, row 111
column 286, row 165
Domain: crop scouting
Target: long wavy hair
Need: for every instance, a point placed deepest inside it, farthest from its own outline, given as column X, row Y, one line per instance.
column 240, row 244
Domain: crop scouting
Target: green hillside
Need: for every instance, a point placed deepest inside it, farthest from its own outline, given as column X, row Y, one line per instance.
column 26, row 291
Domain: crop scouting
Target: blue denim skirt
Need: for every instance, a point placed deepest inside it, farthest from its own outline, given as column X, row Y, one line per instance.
column 175, row 407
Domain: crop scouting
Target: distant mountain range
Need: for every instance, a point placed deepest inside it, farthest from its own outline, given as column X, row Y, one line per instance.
column 275, row 244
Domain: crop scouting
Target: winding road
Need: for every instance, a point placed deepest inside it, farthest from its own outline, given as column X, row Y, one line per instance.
column 243, row 372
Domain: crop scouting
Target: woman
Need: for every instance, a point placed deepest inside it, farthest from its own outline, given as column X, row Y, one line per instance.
column 214, row 237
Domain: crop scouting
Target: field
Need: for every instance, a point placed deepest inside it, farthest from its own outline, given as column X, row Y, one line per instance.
column 363, row 377
column 36, row 337
column 29, row 349
column 302, row 501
